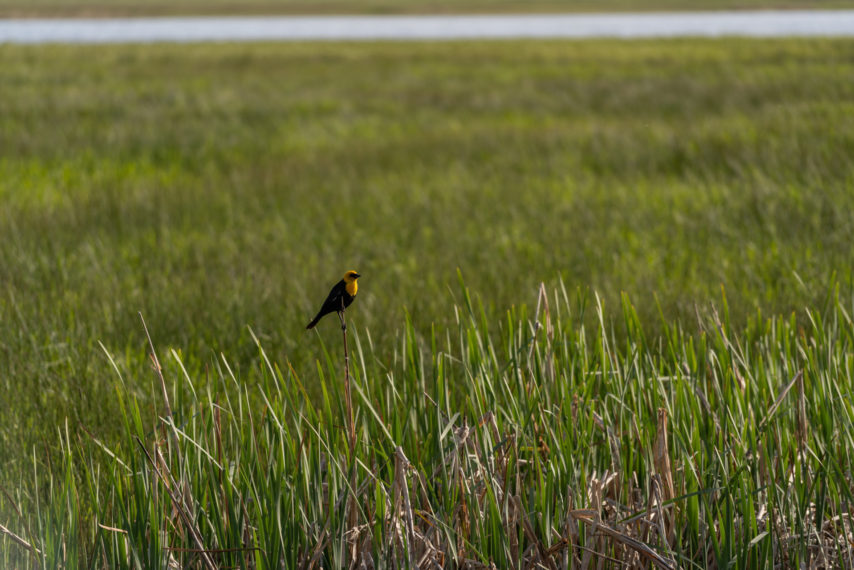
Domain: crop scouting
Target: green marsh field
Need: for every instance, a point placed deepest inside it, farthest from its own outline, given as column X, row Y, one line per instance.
column 605, row 317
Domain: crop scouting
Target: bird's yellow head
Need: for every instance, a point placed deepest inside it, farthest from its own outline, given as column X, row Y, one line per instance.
column 350, row 279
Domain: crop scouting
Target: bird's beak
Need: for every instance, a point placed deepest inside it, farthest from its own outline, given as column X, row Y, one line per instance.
column 356, row 276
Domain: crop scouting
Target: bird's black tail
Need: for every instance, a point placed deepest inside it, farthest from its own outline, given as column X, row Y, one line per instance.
column 313, row 322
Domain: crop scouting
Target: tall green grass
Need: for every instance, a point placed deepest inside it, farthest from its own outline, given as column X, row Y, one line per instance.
column 538, row 439
column 219, row 188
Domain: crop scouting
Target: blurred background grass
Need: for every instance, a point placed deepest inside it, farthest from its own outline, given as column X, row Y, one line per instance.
column 99, row 8
column 215, row 187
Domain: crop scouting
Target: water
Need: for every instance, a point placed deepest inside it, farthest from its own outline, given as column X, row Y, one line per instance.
column 333, row 28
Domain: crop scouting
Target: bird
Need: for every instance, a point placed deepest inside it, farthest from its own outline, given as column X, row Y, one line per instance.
column 339, row 298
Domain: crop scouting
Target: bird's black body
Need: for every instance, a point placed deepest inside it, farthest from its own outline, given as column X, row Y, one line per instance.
column 337, row 300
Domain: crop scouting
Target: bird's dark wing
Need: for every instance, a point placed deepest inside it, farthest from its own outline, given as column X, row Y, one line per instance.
column 334, row 302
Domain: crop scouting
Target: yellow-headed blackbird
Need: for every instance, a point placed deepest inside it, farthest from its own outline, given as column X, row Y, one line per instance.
column 339, row 298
